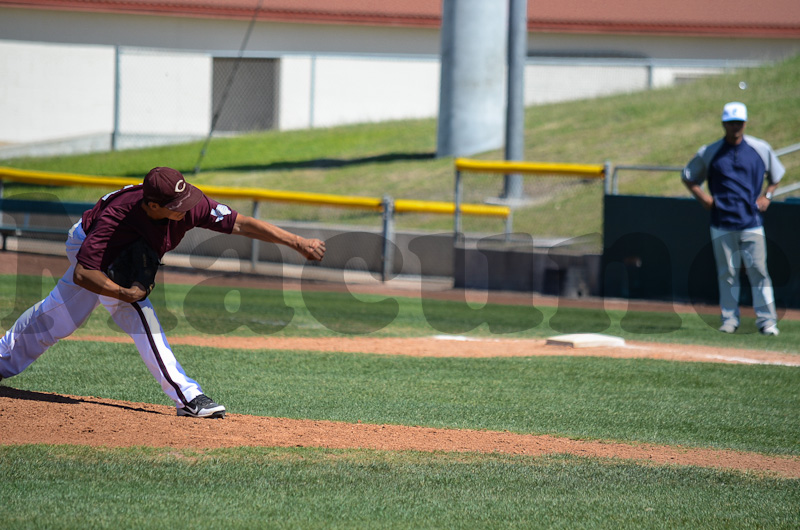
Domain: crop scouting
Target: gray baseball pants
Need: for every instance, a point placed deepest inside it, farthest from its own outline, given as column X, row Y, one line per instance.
column 731, row 250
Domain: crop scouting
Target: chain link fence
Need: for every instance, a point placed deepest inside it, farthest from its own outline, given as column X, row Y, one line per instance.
column 556, row 202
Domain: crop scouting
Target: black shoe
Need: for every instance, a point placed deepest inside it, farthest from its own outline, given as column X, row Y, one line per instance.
column 202, row 407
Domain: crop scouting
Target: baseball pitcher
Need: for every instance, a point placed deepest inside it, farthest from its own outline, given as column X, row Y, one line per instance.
column 114, row 253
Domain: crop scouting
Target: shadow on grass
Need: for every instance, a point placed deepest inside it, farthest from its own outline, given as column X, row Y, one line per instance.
column 329, row 163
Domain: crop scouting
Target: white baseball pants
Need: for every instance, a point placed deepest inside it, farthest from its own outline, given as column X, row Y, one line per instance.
column 68, row 306
column 731, row 250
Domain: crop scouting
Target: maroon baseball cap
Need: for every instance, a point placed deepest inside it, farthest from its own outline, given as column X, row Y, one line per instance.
column 168, row 187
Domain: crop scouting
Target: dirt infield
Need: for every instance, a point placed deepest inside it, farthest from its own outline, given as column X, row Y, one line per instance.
column 28, row 417
column 41, row 418
column 35, row 417
column 458, row 346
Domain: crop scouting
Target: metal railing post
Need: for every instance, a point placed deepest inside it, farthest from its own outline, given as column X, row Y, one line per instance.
column 387, row 256
column 457, row 210
column 254, row 243
column 608, row 177
column 312, row 92
column 117, row 87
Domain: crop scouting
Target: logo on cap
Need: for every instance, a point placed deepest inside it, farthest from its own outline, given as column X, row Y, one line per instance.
column 168, row 188
column 734, row 111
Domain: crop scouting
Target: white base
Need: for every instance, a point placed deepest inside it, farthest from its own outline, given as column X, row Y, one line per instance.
column 586, row 340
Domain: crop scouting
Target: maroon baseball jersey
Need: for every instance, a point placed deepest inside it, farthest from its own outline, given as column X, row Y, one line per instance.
column 117, row 220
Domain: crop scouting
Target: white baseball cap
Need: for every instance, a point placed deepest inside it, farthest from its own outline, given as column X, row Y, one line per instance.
column 734, row 111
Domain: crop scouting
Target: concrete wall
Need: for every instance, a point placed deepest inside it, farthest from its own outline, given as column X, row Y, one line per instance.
column 663, row 47
column 170, row 90
column 549, row 83
column 50, row 91
column 58, row 91
column 325, row 90
column 556, row 271
column 349, row 248
column 57, row 69
column 297, row 92
column 53, row 92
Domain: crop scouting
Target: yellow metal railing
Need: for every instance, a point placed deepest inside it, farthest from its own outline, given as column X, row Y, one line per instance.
column 511, row 167
column 388, row 206
column 258, row 194
column 531, row 168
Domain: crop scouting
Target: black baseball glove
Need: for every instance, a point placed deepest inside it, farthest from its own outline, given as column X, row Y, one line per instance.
column 137, row 263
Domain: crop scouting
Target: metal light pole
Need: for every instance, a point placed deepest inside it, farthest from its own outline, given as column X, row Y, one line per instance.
column 515, row 107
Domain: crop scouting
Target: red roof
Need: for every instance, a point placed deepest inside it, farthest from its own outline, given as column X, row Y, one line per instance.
column 404, row 13
column 745, row 18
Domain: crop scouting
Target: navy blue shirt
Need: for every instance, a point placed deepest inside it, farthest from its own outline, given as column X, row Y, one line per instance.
column 735, row 179
column 735, row 175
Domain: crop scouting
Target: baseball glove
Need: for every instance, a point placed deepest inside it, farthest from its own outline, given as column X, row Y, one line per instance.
column 137, row 263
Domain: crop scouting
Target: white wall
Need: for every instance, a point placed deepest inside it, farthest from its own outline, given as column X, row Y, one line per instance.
column 49, row 91
column 670, row 47
column 556, row 80
column 553, row 83
column 65, row 88
column 165, row 93
column 357, row 90
column 323, row 91
column 56, row 91
column 53, row 91
column 663, row 77
column 296, row 92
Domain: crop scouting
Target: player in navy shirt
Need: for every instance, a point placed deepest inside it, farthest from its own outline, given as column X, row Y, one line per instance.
column 160, row 210
column 735, row 168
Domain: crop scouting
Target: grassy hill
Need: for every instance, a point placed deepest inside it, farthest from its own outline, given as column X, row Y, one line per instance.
column 662, row 127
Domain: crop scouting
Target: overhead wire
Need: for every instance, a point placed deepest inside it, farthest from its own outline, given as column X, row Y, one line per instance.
column 226, row 90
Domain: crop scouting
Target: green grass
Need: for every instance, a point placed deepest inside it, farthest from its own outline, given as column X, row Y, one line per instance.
column 186, row 309
column 750, row 408
column 664, row 126
column 713, row 405
column 555, row 395
column 743, row 407
column 68, row 487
